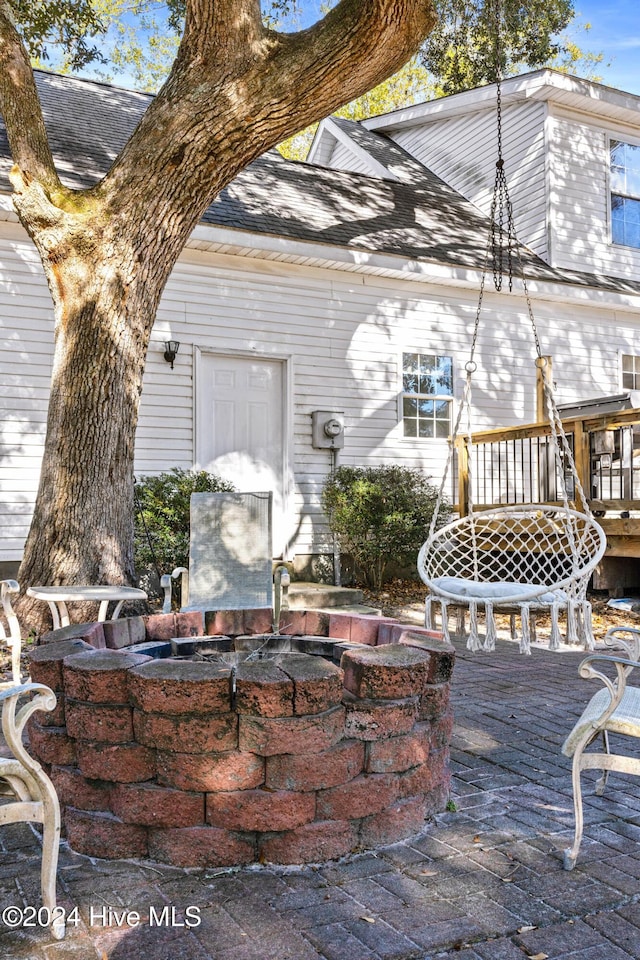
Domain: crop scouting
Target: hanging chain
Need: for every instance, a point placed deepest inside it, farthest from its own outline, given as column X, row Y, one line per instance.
column 502, row 232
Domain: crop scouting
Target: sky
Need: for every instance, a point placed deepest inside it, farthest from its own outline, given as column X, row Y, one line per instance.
column 615, row 32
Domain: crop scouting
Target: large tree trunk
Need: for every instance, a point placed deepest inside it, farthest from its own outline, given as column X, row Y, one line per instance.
column 82, row 529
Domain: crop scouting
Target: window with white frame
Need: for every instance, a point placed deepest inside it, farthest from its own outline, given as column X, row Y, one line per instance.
column 427, row 395
column 630, row 372
column 625, row 193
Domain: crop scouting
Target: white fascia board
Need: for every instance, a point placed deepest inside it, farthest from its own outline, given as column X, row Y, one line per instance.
column 543, row 84
column 403, row 268
column 456, row 104
column 283, row 249
column 322, row 145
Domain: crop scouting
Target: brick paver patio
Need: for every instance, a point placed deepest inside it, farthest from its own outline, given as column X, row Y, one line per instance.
column 482, row 883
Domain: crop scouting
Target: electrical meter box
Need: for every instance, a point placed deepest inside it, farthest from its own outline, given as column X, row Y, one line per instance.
column 327, row 432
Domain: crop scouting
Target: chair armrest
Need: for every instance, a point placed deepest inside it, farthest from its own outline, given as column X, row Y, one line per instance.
column 588, row 669
column 165, row 583
column 630, row 644
column 13, row 724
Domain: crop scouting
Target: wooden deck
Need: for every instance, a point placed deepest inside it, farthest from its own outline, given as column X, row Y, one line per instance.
column 516, row 465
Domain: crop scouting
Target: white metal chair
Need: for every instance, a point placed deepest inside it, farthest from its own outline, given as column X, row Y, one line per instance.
column 28, row 794
column 614, row 709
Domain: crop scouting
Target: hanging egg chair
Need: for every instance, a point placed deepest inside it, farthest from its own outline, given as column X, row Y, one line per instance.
column 523, row 559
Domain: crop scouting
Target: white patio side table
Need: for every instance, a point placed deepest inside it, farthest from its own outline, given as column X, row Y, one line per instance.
column 58, row 597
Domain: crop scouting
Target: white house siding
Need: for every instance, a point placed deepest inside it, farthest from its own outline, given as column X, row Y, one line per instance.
column 462, row 151
column 342, row 158
column 26, row 351
column 341, row 335
column 579, row 198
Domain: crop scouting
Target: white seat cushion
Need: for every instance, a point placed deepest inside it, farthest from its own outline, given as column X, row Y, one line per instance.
column 500, row 590
column 625, row 719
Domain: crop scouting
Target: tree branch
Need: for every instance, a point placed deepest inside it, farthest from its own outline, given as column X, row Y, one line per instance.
column 226, row 102
column 212, row 25
column 21, row 111
column 354, row 47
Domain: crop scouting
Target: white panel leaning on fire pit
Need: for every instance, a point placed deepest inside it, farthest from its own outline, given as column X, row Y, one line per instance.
column 230, row 551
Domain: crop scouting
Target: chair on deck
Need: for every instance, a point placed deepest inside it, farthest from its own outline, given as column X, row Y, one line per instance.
column 230, row 554
column 614, row 709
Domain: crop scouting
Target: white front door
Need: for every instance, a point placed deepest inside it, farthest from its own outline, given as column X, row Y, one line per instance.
column 240, row 434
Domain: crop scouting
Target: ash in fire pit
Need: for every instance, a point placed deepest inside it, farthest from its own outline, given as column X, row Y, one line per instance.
column 288, row 749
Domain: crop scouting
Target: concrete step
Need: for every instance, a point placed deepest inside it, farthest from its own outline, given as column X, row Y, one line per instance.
column 316, row 596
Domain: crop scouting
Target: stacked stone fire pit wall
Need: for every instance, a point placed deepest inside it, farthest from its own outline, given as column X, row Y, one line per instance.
column 303, row 761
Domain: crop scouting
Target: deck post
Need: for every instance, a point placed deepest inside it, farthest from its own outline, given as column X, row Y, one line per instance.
column 582, row 457
column 463, row 476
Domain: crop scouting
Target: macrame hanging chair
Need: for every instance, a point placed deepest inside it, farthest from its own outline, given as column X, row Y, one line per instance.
column 523, row 559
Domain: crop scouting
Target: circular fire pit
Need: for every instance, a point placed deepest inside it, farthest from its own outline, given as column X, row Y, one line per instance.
column 238, row 746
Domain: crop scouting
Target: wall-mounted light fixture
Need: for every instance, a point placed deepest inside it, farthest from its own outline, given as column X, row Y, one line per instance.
column 171, row 348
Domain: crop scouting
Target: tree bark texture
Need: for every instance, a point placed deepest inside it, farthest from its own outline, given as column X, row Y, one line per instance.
column 236, row 89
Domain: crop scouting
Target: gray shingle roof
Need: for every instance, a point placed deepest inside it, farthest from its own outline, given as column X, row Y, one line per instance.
column 416, row 216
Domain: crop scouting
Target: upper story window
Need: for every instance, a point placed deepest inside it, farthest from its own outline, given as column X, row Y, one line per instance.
column 625, row 193
column 427, row 395
column 630, row 372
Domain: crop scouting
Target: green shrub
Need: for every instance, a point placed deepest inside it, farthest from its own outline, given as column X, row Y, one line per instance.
column 161, row 535
column 380, row 516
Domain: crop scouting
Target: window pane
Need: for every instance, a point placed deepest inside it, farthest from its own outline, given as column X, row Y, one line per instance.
column 630, row 371
column 617, row 152
column 632, row 211
column 427, row 363
column 633, row 182
column 625, row 193
column 410, row 383
column 445, row 375
column 425, row 377
column 426, row 384
column 618, row 180
column 410, row 362
column 631, row 234
column 617, row 231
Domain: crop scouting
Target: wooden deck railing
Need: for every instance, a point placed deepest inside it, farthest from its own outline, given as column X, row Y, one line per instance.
column 515, row 464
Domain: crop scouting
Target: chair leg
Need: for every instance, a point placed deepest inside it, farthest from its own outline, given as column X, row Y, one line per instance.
column 50, row 848
column 571, row 853
column 601, row 783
